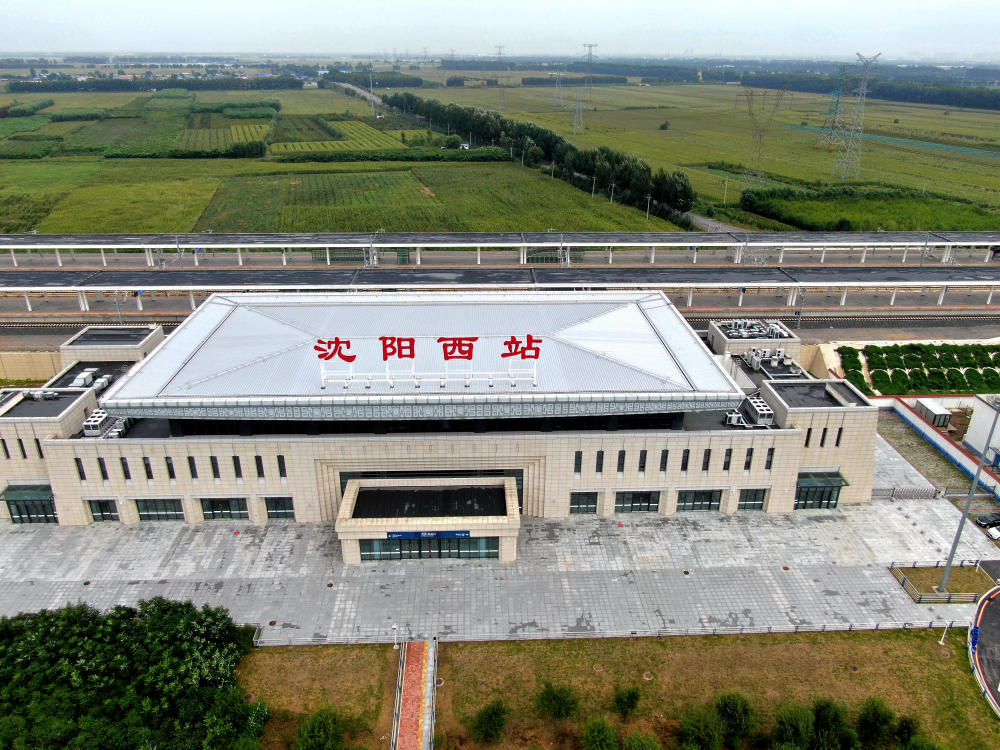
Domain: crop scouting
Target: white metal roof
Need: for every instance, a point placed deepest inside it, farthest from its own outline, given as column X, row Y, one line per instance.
column 258, row 356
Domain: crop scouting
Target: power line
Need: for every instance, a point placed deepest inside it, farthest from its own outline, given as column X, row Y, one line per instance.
column 849, row 161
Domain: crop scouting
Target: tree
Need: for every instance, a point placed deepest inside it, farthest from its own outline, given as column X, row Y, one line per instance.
column 557, row 702
column 702, row 729
column 322, row 730
column 738, row 717
column 793, row 725
column 907, row 728
column 665, row 125
column 673, row 189
column 599, row 735
column 876, row 724
column 453, row 141
column 640, row 741
column 626, row 701
column 489, row 723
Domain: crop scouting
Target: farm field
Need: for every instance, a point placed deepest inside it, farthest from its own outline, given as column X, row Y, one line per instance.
column 360, row 137
column 709, row 124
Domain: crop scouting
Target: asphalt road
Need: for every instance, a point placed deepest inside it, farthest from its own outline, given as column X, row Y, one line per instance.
column 250, row 278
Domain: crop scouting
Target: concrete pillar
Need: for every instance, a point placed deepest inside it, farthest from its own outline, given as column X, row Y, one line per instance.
column 822, row 256
column 191, row 299
column 257, row 510
column 328, row 256
column 138, row 301
column 690, row 296
column 127, row 512
column 351, row 550
column 652, row 255
column 284, row 257
column 194, row 254
column 81, row 298
column 864, row 254
column 946, row 255
column 239, row 256
column 791, row 297
column 508, row 548
column 843, row 297
column 192, row 509
column 740, row 302
column 479, row 256
column 988, row 254
column 781, row 255
column 892, row 299
column 611, row 255
column 730, row 501
column 27, row 301
column 941, row 296
column 905, row 251
column 58, row 258
column 989, row 297
column 104, row 260
column 148, row 255
column 524, row 254
column 695, row 258
column 12, row 258
column 418, row 256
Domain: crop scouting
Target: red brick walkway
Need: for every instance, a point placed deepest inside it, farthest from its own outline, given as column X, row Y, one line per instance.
column 411, row 712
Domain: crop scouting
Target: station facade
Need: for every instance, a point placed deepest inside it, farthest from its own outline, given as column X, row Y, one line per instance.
column 425, row 425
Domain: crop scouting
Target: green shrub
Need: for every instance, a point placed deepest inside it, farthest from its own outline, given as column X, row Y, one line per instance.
column 976, row 382
column 881, row 382
column 490, row 721
column 557, row 702
column 322, row 730
column 665, row 125
column 913, row 360
column 26, row 110
column 640, row 741
column 849, row 358
column 936, row 379
column 793, row 725
column 829, row 724
column 599, row 735
column 626, row 701
column 876, row 361
column 922, row 743
column 992, row 378
column 900, row 382
column 956, row 380
column 702, row 729
column 876, row 724
column 907, row 728
column 78, row 113
column 738, row 717
column 893, row 358
column 918, row 381
column 857, row 379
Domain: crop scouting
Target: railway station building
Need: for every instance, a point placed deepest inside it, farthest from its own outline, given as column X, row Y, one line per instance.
column 425, row 425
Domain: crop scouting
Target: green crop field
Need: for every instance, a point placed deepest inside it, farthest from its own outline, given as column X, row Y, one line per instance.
column 360, row 137
column 300, row 128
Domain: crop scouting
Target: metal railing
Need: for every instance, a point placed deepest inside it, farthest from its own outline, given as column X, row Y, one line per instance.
column 971, row 649
column 905, row 493
column 897, row 569
column 397, row 706
column 434, row 694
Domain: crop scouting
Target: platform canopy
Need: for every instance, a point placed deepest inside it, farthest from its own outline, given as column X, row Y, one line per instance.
column 427, row 356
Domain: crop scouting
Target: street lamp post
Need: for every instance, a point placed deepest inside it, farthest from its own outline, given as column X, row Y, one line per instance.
column 995, row 405
column 395, row 643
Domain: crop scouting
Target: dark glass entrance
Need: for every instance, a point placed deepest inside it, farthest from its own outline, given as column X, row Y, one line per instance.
column 428, row 549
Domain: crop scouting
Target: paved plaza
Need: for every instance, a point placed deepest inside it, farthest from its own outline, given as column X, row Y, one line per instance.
column 583, row 575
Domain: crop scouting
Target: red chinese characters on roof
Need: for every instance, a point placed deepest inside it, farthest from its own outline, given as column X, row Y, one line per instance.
column 452, row 347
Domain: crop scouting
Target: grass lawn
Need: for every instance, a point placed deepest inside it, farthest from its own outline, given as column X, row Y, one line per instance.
column 907, row 669
column 359, row 681
column 921, row 454
column 967, row 580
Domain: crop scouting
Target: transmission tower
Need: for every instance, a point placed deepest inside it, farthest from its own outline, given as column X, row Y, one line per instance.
column 849, row 160
column 590, row 72
column 761, row 109
column 557, row 95
column 578, row 113
column 500, row 78
column 832, row 135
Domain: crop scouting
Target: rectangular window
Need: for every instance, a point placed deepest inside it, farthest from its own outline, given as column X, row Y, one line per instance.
column 103, row 510
column 621, row 461
column 699, row 499
column 599, row 463
column 20, row 444
column 822, row 438
column 748, row 460
column 259, row 463
column 840, row 432
column 192, row 467
column 706, row 459
column 148, row 467
column 38, row 448
column 279, row 507
column 685, row 457
column 6, row 451
column 583, row 502
column 32, row 505
column 281, row 467
column 237, row 467
column 103, row 468
column 170, row 467
column 221, row 508
column 125, row 470
column 769, row 461
column 635, row 502
column 727, row 459
column 215, row 466
column 578, row 462
column 79, row 469
column 752, row 499
column 160, row 510
column 663, row 460
column 809, row 434
column 642, row 462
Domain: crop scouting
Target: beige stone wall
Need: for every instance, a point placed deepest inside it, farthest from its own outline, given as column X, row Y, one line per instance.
column 69, row 355
column 718, row 343
column 29, row 365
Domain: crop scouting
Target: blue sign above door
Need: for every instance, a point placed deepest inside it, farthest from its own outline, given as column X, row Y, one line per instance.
column 427, row 535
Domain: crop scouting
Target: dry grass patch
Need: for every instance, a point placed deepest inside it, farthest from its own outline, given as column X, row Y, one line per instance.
column 967, row 580
column 359, row 681
column 907, row 669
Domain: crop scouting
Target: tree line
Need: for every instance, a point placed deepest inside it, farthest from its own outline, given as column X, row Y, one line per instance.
column 622, row 177
column 222, row 83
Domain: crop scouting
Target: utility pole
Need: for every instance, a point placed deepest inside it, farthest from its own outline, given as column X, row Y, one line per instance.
column 612, row 192
column 593, row 186
column 590, row 65
column 647, row 206
column 500, row 80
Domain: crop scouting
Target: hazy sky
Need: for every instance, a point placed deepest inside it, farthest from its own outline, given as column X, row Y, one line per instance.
column 912, row 29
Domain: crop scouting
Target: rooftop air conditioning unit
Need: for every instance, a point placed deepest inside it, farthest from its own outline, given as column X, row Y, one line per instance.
column 734, row 419
column 757, row 411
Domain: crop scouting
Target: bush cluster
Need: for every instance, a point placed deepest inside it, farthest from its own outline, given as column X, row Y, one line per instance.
column 924, row 368
column 26, row 110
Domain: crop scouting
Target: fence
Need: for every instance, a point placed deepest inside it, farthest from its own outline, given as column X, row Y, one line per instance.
column 380, row 636
column 394, row 740
column 905, row 493
column 972, row 649
column 945, row 598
